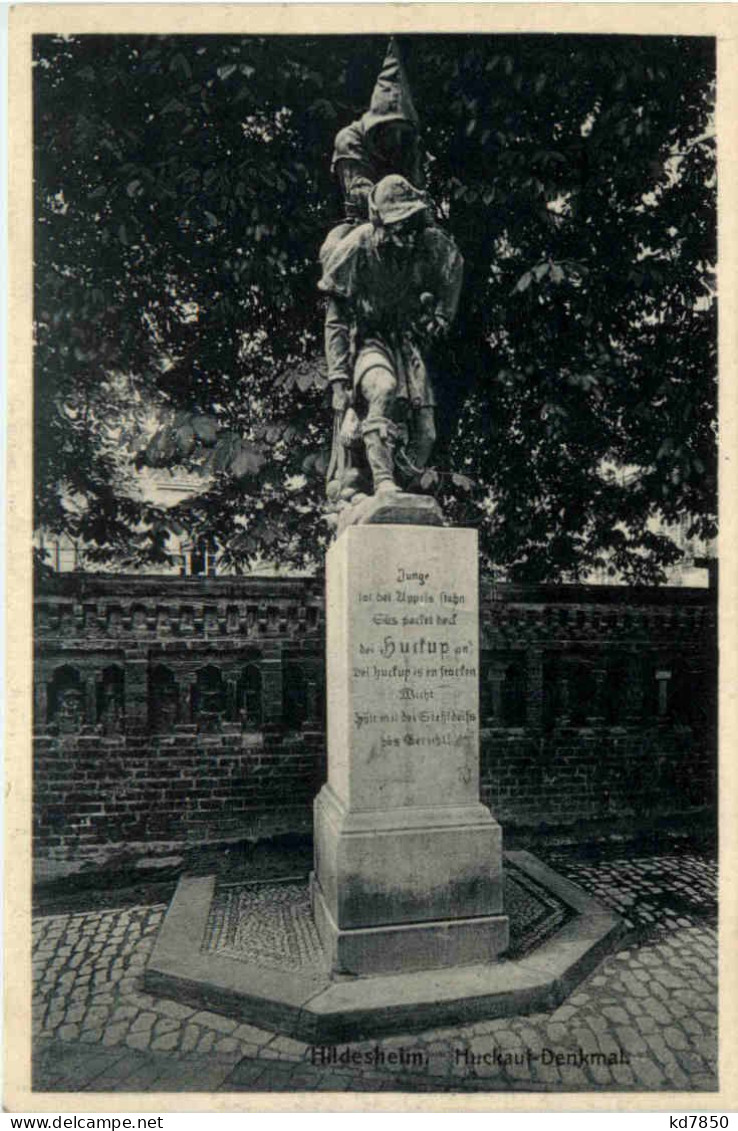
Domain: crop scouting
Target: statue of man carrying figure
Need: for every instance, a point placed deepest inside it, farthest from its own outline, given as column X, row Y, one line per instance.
column 393, row 285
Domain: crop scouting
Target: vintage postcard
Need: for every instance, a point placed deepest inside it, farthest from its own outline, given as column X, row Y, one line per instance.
column 365, row 738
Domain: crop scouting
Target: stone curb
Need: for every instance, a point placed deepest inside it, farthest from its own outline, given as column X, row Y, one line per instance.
column 315, row 1009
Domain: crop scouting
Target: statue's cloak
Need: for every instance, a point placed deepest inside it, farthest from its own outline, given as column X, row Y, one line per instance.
column 383, row 295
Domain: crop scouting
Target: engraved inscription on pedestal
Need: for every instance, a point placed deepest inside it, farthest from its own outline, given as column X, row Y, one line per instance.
column 412, row 680
column 402, row 839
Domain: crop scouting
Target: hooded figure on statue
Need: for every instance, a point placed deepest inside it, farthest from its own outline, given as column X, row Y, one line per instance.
column 383, row 141
column 393, row 283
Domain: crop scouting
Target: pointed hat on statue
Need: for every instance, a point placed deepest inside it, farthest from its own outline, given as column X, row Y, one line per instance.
column 391, row 98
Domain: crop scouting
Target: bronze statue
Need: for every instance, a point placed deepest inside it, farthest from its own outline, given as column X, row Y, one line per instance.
column 393, row 283
column 393, row 287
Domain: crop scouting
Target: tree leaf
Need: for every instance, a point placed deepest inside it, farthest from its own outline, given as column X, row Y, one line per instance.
column 161, row 449
column 305, row 380
column 247, row 460
column 206, row 429
column 148, row 310
column 180, row 63
column 184, row 437
column 174, row 106
column 322, row 460
column 462, row 481
column 224, row 453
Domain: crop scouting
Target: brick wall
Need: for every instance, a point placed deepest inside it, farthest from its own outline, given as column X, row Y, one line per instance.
column 601, row 774
column 93, row 791
column 180, row 711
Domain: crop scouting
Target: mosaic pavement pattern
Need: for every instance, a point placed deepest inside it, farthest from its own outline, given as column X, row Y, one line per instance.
column 270, row 924
column 535, row 913
column 652, row 1007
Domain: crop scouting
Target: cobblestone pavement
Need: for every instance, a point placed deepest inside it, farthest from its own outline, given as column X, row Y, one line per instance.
column 651, row 1007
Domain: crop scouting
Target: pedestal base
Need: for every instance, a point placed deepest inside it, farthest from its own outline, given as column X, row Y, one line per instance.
column 407, row 889
column 407, row 865
column 399, row 507
column 408, row 946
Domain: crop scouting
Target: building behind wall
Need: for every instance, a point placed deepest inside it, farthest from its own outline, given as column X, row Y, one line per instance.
column 191, row 558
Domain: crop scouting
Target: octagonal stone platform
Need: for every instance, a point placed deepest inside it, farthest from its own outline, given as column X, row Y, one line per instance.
column 197, row 959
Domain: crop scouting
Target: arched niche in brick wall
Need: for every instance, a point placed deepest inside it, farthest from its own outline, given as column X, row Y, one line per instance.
column 163, row 698
column 692, row 698
column 249, row 696
column 678, row 690
column 114, row 620
column 503, row 690
column 111, row 699
column 304, row 690
column 66, row 700
column 139, row 618
column 572, row 689
column 209, row 697
column 295, row 695
column 513, row 694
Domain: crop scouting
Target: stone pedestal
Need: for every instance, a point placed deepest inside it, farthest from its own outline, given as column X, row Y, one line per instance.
column 398, row 508
column 408, row 862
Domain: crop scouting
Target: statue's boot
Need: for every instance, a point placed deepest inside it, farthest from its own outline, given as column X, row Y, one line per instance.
column 379, row 440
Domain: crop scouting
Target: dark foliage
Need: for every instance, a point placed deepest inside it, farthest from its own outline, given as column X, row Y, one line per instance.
column 182, row 191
